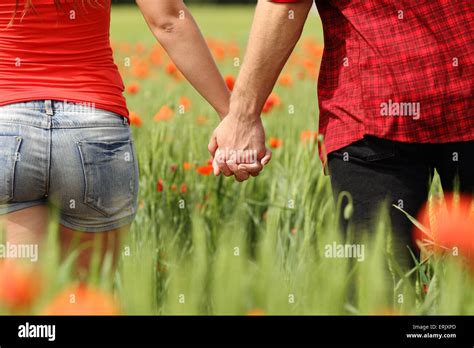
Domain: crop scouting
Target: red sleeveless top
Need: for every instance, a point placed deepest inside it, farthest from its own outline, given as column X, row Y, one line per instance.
column 60, row 54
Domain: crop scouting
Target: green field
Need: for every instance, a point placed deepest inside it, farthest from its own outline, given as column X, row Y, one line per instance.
column 257, row 247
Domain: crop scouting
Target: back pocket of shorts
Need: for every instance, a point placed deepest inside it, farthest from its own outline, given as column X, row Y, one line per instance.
column 110, row 175
column 9, row 154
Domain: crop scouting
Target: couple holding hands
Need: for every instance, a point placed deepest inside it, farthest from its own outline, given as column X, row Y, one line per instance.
column 55, row 52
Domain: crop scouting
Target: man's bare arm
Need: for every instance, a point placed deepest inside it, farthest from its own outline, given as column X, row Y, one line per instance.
column 275, row 31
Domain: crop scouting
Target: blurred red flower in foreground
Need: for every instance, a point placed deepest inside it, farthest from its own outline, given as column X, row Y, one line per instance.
column 19, row 285
column 450, row 224
column 256, row 312
column 83, row 300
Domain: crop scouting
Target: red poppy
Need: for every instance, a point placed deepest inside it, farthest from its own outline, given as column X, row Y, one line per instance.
column 256, row 312
column 230, row 82
column 201, row 119
column 275, row 143
column 135, row 119
column 83, row 300
column 285, row 80
column 272, row 101
column 140, row 68
column 185, row 102
column 450, row 224
column 205, row 170
column 171, row 69
column 159, row 185
column 133, row 88
column 20, row 285
column 308, row 137
column 165, row 114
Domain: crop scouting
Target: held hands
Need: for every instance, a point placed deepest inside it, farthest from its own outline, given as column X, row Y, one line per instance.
column 237, row 147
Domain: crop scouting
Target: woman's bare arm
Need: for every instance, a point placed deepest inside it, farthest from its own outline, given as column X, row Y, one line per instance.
column 175, row 29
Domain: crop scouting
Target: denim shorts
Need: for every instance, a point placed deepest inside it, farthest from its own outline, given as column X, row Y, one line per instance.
column 79, row 159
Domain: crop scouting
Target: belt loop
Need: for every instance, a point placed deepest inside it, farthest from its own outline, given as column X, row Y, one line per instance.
column 48, row 106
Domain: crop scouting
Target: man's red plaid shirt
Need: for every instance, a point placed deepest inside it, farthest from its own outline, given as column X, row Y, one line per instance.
column 400, row 70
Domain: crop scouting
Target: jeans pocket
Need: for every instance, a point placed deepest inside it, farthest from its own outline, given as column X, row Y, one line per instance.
column 110, row 172
column 369, row 149
column 9, row 155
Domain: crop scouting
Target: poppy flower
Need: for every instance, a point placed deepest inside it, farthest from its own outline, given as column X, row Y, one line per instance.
column 285, row 80
column 20, row 285
column 140, row 48
column 450, row 224
column 156, row 56
column 124, row 47
column 219, row 52
column 83, row 300
column 174, row 187
column 275, row 143
column 140, row 68
column 233, row 49
column 202, row 120
column 230, row 82
column 133, row 88
column 165, row 114
column 256, row 312
column 183, row 188
column 205, row 170
column 272, row 101
column 185, row 102
column 308, row 137
column 159, row 185
column 186, row 165
column 171, row 69
column 135, row 119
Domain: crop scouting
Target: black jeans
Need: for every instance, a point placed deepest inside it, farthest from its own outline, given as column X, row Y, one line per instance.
column 376, row 171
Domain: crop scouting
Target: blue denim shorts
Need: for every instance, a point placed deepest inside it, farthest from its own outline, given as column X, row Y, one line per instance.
column 77, row 158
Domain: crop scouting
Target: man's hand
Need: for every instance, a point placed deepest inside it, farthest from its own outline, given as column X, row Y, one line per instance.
column 276, row 29
column 238, row 147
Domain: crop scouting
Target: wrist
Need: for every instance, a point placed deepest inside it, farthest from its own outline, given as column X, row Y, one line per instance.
column 244, row 108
